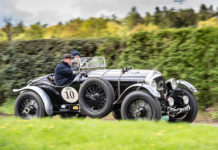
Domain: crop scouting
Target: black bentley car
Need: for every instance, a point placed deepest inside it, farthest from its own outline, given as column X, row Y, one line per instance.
column 96, row 91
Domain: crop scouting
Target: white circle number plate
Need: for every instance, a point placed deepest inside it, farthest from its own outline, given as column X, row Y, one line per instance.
column 69, row 94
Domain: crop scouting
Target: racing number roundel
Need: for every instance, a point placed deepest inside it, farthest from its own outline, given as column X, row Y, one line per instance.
column 69, row 94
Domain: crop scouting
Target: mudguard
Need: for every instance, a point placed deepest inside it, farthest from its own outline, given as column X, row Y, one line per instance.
column 152, row 91
column 187, row 84
column 45, row 98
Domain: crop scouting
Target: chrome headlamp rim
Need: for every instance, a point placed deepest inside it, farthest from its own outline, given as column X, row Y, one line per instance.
column 150, row 79
column 153, row 84
column 173, row 84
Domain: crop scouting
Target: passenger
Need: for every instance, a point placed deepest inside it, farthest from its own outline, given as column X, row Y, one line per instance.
column 64, row 73
column 76, row 57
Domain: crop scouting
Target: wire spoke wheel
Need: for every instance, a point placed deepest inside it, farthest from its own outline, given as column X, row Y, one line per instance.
column 28, row 107
column 95, row 97
column 139, row 105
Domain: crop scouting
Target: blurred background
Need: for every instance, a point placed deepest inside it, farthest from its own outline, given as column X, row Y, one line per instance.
column 178, row 37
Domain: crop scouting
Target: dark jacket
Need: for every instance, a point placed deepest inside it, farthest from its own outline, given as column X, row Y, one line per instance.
column 63, row 74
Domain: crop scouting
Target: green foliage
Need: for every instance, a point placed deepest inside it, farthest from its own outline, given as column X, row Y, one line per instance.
column 19, row 28
column 183, row 18
column 133, row 18
column 66, row 134
column 35, row 32
column 173, row 18
column 111, row 48
column 188, row 54
column 206, row 12
column 8, row 29
column 212, row 22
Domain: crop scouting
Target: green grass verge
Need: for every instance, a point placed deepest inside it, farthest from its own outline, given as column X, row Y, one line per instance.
column 74, row 134
column 8, row 106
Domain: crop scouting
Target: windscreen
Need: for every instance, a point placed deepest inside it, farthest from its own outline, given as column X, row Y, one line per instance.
column 92, row 62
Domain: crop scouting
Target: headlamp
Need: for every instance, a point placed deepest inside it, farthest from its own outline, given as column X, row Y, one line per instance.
column 153, row 84
column 185, row 99
column 170, row 101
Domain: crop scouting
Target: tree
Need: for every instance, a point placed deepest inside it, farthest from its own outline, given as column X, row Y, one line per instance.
column 181, row 18
column 157, row 16
column 8, row 28
column 133, row 18
column 60, row 23
column 147, row 18
column 113, row 29
column 206, row 13
column 184, row 18
column 35, row 31
column 114, row 18
column 19, row 28
column 93, row 27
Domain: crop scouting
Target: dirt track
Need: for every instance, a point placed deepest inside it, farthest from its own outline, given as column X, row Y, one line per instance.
column 5, row 115
column 111, row 118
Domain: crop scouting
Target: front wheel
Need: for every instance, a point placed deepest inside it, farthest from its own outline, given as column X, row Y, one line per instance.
column 187, row 116
column 29, row 105
column 139, row 105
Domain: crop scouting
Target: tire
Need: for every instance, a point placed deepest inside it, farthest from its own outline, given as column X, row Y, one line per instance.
column 151, row 112
column 91, row 97
column 191, row 115
column 29, row 105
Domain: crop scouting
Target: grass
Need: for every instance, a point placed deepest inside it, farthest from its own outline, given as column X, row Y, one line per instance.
column 8, row 106
column 68, row 134
column 93, row 134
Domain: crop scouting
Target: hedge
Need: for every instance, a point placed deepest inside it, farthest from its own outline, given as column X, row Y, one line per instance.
column 188, row 54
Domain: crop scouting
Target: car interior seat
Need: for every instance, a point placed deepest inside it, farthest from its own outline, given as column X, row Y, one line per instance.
column 52, row 79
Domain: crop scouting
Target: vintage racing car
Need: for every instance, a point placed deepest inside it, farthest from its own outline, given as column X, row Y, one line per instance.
column 96, row 91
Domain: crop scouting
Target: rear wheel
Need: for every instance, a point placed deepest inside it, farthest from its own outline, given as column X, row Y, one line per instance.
column 139, row 105
column 29, row 105
column 96, row 97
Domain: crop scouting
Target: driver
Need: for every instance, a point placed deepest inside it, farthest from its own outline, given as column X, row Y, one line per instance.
column 64, row 73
